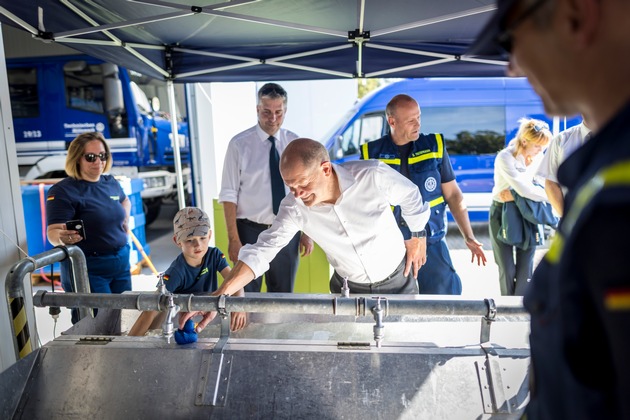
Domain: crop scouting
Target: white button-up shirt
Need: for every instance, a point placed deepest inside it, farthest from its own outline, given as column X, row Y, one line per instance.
column 560, row 148
column 358, row 233
column 246, row 179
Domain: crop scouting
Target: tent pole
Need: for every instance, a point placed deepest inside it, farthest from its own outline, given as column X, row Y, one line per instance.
column 175, row 142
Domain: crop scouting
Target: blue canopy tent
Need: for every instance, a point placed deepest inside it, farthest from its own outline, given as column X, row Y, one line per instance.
column 258, row 40
column 245, row 40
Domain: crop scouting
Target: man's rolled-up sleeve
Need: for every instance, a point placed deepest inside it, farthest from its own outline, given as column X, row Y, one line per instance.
column 230, row 180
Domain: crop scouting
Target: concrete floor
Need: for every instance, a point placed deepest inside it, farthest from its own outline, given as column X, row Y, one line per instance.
column 478, row 282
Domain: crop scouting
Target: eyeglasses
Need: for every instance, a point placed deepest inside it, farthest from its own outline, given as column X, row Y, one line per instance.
column 505, row 39
column 91, row 157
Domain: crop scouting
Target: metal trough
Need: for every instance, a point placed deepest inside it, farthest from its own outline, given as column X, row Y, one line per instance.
column 300, row 357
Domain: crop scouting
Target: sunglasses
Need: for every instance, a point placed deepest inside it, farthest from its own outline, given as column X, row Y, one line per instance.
column 91, row 157
column 505, row 39
column 540, row 127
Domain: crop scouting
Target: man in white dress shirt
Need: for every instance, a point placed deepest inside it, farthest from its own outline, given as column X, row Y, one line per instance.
column 560, row 147
column 346, row 210
column 247, row 189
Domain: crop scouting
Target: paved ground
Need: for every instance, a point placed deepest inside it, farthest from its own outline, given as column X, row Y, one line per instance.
column 478, row 281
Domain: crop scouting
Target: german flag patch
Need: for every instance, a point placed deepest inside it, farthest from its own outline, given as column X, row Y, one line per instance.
column 617, row 299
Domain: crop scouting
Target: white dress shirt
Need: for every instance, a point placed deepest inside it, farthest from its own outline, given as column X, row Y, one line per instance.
column 512, row 172
column 246, row 179
column 561, row 147
column 358, row 233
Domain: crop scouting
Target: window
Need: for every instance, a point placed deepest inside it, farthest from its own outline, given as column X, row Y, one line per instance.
column 84, row 86
column 367, row 128
column 467, row 130
column 23, row 92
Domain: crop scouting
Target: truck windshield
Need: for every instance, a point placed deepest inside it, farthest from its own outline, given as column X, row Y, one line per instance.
column 141, row 98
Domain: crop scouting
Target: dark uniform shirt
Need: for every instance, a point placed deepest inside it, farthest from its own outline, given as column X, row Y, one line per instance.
column 182, row 278
column 424, row 161
column 97, row 204
column 579, row 298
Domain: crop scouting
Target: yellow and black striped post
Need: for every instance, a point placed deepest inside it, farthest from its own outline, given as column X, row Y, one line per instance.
column 20, row 326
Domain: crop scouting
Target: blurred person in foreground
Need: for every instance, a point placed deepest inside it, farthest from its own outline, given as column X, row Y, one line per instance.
column 576, row 55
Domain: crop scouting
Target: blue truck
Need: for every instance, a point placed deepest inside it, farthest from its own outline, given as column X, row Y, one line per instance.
column 477, row 117
column 53, row 99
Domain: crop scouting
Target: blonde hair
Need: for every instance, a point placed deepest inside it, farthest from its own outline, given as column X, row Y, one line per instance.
column 77, row 150
column 531, row 131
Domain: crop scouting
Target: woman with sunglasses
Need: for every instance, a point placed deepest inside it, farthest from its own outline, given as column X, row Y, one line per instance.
column 514, row 171
column 100, row 203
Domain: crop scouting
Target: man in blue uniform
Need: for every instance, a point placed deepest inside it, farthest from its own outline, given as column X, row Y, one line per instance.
column 579, row 297
column 423, row 159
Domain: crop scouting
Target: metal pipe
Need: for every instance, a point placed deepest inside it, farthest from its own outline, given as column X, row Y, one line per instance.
column 167, row 327
column 378, row 326
column 507, row 309
column 14, row 287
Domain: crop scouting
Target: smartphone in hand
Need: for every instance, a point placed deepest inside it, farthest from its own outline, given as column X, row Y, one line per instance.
column 76, row 225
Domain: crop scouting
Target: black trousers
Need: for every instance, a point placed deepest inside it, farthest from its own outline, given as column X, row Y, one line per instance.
column 280, row 277
column 516, row 265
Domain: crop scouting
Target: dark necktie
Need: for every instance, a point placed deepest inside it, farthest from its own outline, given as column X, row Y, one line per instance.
column 277, row 185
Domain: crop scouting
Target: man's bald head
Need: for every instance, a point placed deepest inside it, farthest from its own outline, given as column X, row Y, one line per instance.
column 399, row 101
column 306, row 152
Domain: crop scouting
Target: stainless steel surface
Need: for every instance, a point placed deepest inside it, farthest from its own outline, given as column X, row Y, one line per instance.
column 285, row 365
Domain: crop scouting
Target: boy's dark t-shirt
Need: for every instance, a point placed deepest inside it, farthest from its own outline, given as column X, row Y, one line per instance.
column 182, row 278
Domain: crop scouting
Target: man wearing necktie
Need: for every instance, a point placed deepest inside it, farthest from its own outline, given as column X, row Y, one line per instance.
column 252, row 189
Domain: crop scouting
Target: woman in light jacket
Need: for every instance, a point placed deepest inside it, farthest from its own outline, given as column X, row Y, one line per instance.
column 514, row 169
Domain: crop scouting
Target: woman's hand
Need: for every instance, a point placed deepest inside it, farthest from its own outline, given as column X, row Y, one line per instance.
column 506, row 195
column 70, row 237
column 59, row 235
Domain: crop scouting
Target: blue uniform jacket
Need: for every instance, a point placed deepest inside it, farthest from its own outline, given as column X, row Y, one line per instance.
column 579, row 296
column 425, row 170
column 522, row 222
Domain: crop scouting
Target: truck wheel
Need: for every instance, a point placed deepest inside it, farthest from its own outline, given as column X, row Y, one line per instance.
column 151, row 210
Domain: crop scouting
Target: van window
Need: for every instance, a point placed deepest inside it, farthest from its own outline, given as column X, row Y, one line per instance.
column 84, row 87
column 367, row 128
column 467, row 130
column 23, row 92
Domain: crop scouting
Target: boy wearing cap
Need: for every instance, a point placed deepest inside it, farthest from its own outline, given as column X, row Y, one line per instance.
column 195, row 269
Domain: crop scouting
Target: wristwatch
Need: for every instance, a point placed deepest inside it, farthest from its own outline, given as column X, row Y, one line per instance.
column 420, row 234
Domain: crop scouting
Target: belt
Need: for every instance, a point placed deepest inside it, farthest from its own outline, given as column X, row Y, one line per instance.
column 249, row 222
